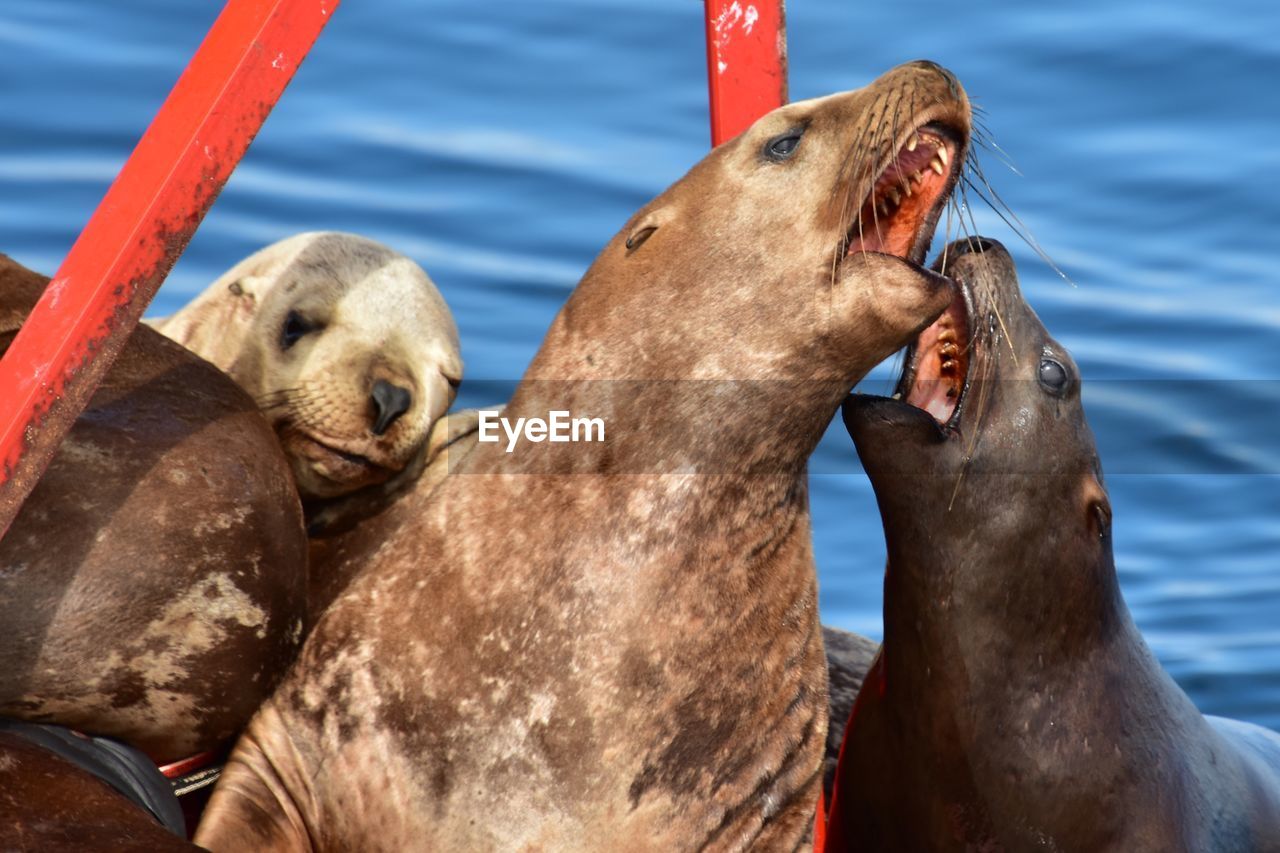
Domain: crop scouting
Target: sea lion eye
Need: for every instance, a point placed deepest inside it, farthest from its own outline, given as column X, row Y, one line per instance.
column 1054, row 376
column 295, row 326
column 782, row 147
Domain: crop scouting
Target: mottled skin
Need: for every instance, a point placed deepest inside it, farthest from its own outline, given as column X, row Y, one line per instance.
column 1014, row 705
column 616, row 645
column 153, row 585
column 309, row 326
column 337, row 552
column 48, row 805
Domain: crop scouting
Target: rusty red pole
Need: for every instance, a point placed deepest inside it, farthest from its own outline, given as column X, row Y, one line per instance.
column 141, row 227
column 746, row 63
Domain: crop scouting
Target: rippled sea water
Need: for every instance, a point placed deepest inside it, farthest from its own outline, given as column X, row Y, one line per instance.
column 502, row 145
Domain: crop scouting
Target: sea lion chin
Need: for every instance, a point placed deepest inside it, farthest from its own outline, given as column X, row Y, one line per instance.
column 1013, row 704
column 616, row 644
column 346, row 345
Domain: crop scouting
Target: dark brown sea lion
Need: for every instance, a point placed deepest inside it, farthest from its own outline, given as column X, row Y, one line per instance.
column 50, row 805
column 1014, row 705
column 152, row 588
column 616, row 644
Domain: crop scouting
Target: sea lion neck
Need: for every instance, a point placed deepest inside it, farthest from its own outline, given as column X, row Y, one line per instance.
column 995, row 607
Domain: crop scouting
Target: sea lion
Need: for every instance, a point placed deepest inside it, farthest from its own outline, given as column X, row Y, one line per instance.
column 50, row 805
column 349, row 349
column 153, row 585
column 615, row 643
column 1014, row 704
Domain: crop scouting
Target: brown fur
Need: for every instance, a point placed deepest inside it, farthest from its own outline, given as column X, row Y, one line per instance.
column 152, row 586
column 337, row 553
column 577, row 646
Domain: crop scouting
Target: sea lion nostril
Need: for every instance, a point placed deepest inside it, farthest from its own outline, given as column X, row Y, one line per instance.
column 975, row 245
column 930, row 65
column 389, row 403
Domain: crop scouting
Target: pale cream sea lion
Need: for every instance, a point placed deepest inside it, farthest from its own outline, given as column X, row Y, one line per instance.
column 615, row 644
column 348, row 348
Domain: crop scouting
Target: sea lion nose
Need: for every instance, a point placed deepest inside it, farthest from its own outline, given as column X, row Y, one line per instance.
column 930, row 65
column 977, row 246
column 389, row 402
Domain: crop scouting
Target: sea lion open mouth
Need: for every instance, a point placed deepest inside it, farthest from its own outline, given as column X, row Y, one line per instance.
column 898, row 215
column 935, row 373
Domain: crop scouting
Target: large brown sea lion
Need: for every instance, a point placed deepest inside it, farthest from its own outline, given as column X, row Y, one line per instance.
column 152, row 588
column 616, row 644
column 1014, row 705
column 349, row 349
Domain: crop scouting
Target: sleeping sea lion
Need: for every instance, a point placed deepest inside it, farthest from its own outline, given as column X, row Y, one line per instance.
column 349, row 349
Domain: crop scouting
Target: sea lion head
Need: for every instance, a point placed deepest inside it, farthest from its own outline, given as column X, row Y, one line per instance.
column 791, row 251
column 985, row 440
column 346, row 345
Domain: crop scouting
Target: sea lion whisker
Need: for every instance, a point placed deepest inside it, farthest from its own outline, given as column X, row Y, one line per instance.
column 1011, row 219
column 983, row 402
column 995, row 308
column 981, row 139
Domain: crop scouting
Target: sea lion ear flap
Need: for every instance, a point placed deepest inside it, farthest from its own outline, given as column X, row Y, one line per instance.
column 644, row 227
column 242, row 293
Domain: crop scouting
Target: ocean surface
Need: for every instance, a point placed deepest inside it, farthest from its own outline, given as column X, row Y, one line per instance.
column 501, row 145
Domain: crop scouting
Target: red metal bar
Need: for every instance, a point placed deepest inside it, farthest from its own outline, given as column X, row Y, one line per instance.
column 141, row 227
column 746, row 63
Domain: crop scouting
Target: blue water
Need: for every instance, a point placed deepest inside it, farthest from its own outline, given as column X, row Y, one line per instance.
column 502, row 144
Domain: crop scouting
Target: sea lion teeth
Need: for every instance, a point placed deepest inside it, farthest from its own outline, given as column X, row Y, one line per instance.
column 949, row 350
column 895, row 197
column 943, row 155
column 913, row 142
column 937, row 166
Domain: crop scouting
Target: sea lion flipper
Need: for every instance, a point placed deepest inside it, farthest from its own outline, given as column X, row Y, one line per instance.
column 251, row 808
